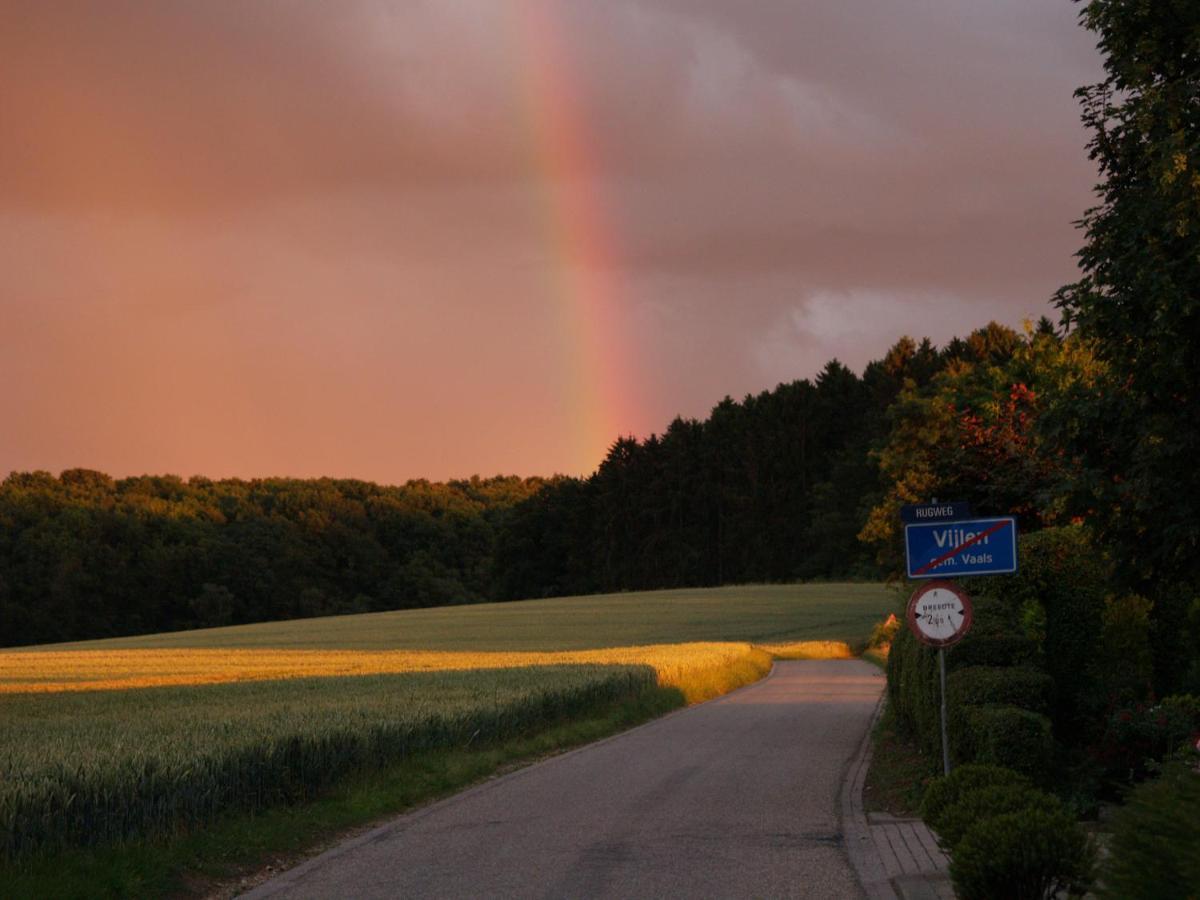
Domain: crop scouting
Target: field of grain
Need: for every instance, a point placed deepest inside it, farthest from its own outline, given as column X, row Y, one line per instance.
column 755, row 613
column 108, row 740
column 55, row 671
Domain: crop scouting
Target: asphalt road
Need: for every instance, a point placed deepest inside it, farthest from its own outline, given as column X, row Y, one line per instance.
column 738, row 797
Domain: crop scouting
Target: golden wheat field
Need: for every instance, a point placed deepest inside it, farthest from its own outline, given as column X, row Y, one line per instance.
column 676, row 665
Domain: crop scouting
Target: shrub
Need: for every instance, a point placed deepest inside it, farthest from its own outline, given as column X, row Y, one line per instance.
column 1007, row 686
column 992, row 650
column 1155, row 850
column 1005, row 736
column 1058, row 594
column 974, row 806
column 1141, row 734
column 1026, row 855
column 944, row 792
column 913, row 690
column 1127, row 664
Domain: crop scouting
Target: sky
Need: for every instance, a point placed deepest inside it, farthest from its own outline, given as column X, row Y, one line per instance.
column 406, row 239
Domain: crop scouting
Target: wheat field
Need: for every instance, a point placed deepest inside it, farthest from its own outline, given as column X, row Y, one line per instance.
column 141, row 737
column 26, row 672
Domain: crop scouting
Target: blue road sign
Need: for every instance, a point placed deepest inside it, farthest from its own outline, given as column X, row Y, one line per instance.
column 967, row 547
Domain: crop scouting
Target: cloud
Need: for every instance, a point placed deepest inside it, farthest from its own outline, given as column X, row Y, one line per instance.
column 342, row 213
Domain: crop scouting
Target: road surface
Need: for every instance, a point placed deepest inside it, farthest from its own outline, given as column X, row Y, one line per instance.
column 738, row 797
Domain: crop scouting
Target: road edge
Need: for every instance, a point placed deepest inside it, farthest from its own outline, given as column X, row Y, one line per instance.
column 860, row 848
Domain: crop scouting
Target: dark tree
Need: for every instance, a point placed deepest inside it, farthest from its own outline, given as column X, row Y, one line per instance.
column 1138, row 302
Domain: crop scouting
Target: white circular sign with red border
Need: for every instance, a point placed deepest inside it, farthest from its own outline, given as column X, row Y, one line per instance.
column 939, row 613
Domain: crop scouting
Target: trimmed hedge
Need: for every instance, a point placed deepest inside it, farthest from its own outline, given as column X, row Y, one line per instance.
column 974, row 806
column 1062, row 582
column 992, row 650
column 913, row 690
column 944, row 792
column 1005, row 736
column 1008, row 686
column 1026, row 855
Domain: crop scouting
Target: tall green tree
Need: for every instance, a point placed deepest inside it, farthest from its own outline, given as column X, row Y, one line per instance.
column 1138, row 303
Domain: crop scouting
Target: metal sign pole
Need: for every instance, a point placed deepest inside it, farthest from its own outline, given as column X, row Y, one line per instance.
column 945, row 737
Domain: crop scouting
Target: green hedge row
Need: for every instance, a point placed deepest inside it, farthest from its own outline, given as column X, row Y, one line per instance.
column 1004, row 736
column 1026, row 674
column 1020, row 686
column 1055, row 602
column 996, row 714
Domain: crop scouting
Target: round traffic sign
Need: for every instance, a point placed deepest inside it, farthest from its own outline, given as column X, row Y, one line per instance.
column 939, row 613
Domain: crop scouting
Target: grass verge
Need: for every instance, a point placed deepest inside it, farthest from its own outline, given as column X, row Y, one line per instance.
column 239, row 850
column 899, row 771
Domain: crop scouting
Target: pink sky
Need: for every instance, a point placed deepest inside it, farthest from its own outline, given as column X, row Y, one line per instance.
column 391, row 240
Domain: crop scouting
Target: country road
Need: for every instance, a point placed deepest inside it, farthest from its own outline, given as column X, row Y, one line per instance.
column 738, row 797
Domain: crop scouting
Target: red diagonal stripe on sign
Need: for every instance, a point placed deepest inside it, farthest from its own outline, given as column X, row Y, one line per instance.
column 963, row 546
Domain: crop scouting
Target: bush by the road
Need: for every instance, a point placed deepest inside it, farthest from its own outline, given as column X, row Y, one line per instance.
column 1025, row 855
column 1005, row 736
column 1155, row 851
column 943, row 793
column 973, row 806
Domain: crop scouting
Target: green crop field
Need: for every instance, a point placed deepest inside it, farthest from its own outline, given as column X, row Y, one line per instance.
column 804, row 612
column 82, row 763
column 94, row 767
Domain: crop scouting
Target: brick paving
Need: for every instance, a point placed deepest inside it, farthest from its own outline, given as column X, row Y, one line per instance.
column 911, row 858
column 894, row 858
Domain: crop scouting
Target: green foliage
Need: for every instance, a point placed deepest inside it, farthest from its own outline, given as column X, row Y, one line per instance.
column 1058, row 597
column 1125, row 653
column 1010, row 685
column 976, row 805
column 1155, row 850
column 84, row 556
column 771, row 488
column 1005, row 736
column 993, row 649
column 945, row 792
column 969, row 432
column 1134, row 434
column 913, row 690
column 97, row 767
column 1027, row 855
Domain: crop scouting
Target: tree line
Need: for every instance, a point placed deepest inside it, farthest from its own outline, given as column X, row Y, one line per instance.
column 776, row 487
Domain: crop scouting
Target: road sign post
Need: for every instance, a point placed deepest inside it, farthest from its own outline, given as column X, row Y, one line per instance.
column 941, row 542
column 940, row 615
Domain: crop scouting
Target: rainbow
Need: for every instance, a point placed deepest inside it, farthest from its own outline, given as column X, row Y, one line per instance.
column 600, row 385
